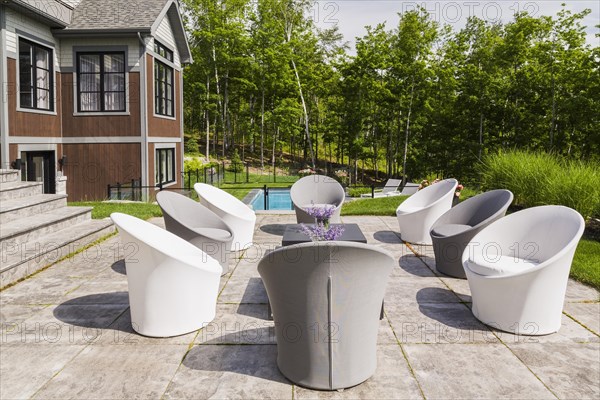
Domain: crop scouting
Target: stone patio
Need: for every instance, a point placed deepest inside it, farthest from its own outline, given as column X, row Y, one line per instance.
column 66, row 333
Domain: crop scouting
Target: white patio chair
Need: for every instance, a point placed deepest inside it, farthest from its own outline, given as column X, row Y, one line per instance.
column 195, row 223
column 518, row 269
column 237, row 215
column 173, row 285
column 417, row 214
column 317, row 190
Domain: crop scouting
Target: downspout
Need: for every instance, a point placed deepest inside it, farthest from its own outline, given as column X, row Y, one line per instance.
column 143, row 114
column 5, row 151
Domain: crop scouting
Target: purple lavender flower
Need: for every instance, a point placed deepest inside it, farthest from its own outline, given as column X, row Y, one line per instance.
column 320, row 232
column 320, row 212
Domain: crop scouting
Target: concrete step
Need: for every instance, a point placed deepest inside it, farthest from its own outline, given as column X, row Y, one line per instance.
column 28, row 230
column 19, row 189
column 22, row 261
column 9, row 175
column 14, row 209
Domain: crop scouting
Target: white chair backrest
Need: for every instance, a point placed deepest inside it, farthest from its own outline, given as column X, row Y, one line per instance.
column 430, row 195
column 223, row 200
column 536, row 234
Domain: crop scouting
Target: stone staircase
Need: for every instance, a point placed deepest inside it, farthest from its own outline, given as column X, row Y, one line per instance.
column 38, row 229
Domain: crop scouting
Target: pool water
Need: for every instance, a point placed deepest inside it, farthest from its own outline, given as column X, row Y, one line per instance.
column 279, row 199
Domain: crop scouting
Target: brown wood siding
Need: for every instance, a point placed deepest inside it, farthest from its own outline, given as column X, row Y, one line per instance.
column 101, row 125
column 13, row 151
column 30, row 123
column 158, row 126
column 91, row 167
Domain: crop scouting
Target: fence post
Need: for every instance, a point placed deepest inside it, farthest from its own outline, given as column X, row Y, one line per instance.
column 235, row 173
column 108, row 191
column 118, row 191
column 274, row 173
column 189, row 173
column 132, row 189
column 372, row 191
column 197, row 175
column 247, row 173
column 140, row 188
column 223, row 171
column 266, row 196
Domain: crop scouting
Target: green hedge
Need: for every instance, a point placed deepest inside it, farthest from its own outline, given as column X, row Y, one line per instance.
column 541, row 178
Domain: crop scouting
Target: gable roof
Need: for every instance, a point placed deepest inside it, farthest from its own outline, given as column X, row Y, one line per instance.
column 116, row 14
column 125, row 17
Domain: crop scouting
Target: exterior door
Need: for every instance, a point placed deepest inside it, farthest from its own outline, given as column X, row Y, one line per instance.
column 40, row 166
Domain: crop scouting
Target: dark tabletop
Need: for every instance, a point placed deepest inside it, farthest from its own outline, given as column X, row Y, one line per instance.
column 294, row 235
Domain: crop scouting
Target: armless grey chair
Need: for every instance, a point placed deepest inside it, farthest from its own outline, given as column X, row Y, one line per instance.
column 198, row 225
column 317, row 190
column 454, row 229
column 326, row 298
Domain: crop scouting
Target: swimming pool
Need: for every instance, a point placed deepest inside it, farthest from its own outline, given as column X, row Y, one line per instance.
column 278, row 199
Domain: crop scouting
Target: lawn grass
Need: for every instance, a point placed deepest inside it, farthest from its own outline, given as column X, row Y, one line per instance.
column 378, row 206
column 586, row 264
column 104, row 209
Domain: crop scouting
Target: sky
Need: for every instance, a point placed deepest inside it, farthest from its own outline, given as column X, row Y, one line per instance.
column 353, row 15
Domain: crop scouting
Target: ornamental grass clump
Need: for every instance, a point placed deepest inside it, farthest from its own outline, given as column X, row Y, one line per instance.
column 540, row 178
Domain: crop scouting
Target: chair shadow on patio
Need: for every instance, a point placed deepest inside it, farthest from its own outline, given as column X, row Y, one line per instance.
column 95, row 311
column 387, row 237
column 119, row 267
column 274, row 229
column 433, row 303
column 414, row 266
column 259, row 361
column 255, row 292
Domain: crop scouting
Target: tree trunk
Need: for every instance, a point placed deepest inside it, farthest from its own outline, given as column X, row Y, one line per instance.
column 207, row 118
column 412, row 94
column 306, row 129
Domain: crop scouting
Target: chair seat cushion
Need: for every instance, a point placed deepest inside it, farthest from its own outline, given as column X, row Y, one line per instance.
column 214, row 233
column 503, row 265
column 449, row 230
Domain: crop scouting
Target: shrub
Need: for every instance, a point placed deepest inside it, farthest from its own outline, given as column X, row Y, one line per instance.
column 236, row 162
column 541, row 178
column 357, row 191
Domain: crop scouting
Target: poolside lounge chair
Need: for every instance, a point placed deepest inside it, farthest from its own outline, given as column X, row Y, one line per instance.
column 409, row 189
column 417, row 214
column 454, row 230
column 316, row 190
column 173, row 285
column 518, row 269
column 390, row 189
column 333, row 290
column 195, row 223
column 237, row 215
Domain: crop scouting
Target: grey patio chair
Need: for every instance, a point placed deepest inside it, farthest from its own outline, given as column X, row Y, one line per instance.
column 198, row 225
column 326, row 299
column 316, row 190
column 454, row 229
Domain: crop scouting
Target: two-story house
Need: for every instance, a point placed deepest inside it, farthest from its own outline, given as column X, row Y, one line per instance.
column 92, row 92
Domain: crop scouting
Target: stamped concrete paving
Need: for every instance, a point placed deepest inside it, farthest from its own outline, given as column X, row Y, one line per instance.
column 66, row 333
